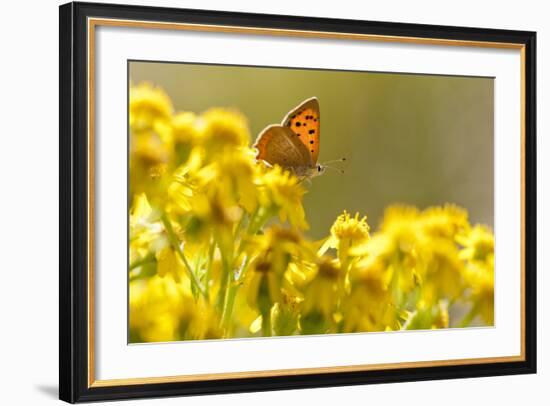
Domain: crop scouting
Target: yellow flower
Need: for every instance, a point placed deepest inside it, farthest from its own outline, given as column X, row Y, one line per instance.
column 398, row 238
column 481, row 280
column 350, row 228
column 204, row 323
column 369, row 305
column 321, row 297
column 163, row 310
column 426, row 317
column 273, row 252
column 185, row 184
column 148, row 105
column 442, row 275
column 263, row 285
column 345, row 233
column 151, row 139
column 151, row 155
column 215, row 188
column 213, row 209
column 478, row 243
column 397, row 246
column 441, row 316
column 479, row 254
column 186, row 133
column 444, row 222
column 401, row 224
column 146, row 231
column 234, row 177
column 283, row 192
column 184, row 126
column 223, row 130
column 157, row 306
column 152, row 147
column 285, row 314
column 150, row 171
column 169, row 264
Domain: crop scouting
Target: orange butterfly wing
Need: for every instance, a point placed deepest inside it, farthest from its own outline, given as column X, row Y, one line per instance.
column 305, row 122
column 279, row 145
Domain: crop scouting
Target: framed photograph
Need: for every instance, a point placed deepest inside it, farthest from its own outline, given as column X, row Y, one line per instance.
column 212, row 241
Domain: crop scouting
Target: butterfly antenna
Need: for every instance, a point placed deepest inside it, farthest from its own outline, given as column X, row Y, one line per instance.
column 334, row 161
column 335, row 169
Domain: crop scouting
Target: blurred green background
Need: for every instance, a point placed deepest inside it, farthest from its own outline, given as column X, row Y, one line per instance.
column 416, row 139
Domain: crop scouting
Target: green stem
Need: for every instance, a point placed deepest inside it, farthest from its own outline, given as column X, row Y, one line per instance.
column 232, row 288
column 240, row 225
column 229, row 287
column 266, row 323
column 176, row 246
column 251, row 220
column 231, row 294
column 228, row 305
column 225, row 277
column 258, row 220
column 255, row 223
column 143, row 261
column 469, row 317
column 210, row 260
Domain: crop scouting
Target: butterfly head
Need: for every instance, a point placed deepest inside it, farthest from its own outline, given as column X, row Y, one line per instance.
column 308, row 172
column 313, row 171
column 319, row 170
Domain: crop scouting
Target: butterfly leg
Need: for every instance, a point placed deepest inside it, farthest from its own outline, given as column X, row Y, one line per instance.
column 305, row 179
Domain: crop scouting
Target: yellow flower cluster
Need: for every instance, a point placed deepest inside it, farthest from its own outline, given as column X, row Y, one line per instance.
column 217, row 248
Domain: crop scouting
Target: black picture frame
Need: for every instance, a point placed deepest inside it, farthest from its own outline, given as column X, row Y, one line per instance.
column 74, row 199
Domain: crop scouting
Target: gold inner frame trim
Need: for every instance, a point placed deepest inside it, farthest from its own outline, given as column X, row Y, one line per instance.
column 299, row 371
column 94, row 22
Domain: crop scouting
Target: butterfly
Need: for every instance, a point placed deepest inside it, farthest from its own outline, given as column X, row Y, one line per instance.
column 294, row 144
